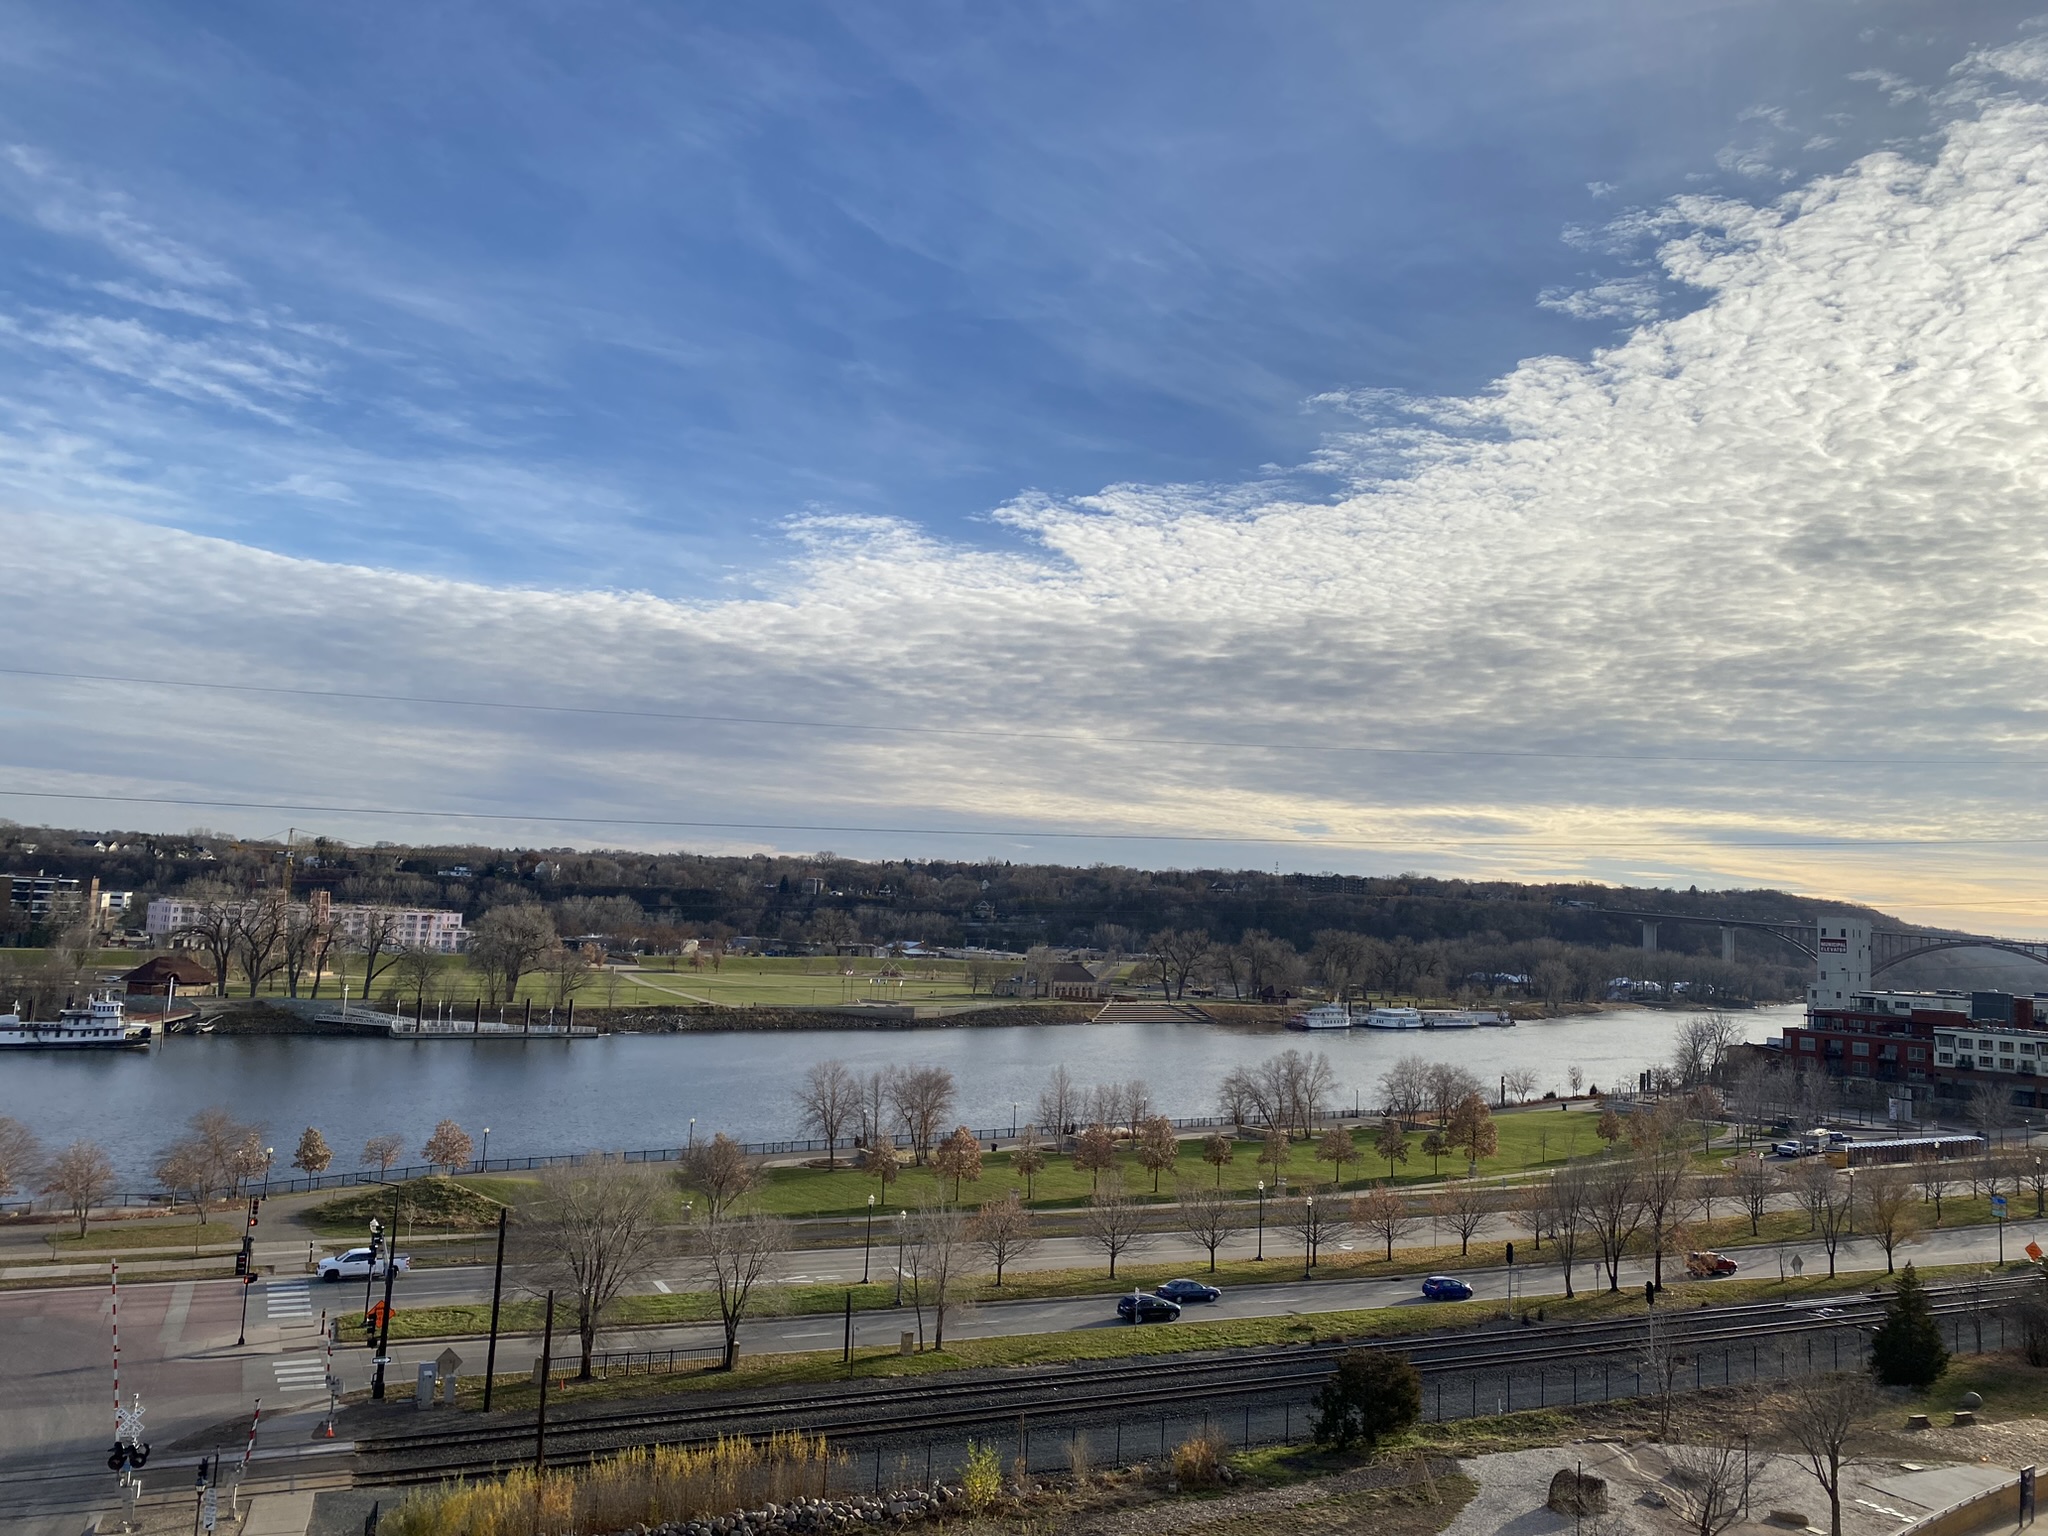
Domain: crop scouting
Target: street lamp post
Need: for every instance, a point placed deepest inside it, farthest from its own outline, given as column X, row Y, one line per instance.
column 901, row 1217
column 1261, row 1254
column 867, row 1243
column 2037, row 1186
column 1308, row 1228
column 269, row 1153
column 1013, row 1125
column 1851, row 1212
column 484, row 1161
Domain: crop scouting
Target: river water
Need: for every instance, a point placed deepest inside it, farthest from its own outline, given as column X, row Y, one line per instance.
column 635, row 1091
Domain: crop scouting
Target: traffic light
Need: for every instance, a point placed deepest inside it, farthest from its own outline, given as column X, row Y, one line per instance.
column 1650, row 1293
column 242, row 1261
column 1511, row 1255
column 252, row 1211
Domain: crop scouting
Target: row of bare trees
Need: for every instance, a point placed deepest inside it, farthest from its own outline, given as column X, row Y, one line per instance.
column 80, row 1175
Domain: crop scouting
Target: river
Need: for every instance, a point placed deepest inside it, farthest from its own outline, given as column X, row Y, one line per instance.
column 634, row 1091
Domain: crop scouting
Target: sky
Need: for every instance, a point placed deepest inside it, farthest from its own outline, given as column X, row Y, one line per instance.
column 1566, row 440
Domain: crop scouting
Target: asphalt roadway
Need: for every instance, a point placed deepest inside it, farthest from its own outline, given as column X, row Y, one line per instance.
column 179, row 1350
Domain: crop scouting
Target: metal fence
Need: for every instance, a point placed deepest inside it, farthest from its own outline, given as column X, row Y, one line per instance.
column 1077, row 1438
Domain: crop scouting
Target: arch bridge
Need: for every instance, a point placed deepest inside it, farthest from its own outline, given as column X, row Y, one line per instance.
column 1888, row 946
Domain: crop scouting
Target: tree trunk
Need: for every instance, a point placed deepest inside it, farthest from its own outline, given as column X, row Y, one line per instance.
column 586, row 1332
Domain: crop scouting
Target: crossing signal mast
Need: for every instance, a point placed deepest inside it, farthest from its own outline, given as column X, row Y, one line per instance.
column 245, row 1268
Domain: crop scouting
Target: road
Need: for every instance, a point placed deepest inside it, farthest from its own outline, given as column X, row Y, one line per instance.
column 179, row 1351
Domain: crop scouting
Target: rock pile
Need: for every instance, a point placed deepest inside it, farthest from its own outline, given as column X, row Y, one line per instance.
column 812, row 1515
column 1574, row 1493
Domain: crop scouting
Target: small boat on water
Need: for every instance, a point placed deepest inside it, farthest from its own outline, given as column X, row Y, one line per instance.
column 1324, row 1016
column 98, row 1024
column 1394, row 1018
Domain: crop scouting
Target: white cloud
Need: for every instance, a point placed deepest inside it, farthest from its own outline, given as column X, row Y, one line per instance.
column 311, row 487
column 1801, row 521
column 1624, row 298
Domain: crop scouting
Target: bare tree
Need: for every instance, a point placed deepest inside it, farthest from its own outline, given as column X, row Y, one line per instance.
column 593, row 1232
column 1825, row 1196
column 82, row 1175
column 1703, row 1043
column 1662, row 1172
column 1614, row 1209
column 1755, row 1183
column 721, row 1171
column 1173, row 956
column 1463, row 1206
column 1059, row 1104
column 1382, row 1212
column 738, row 1256
column 21, row 1155
column 417, row 968
column 449, row 1148
column 923, row 1100
column 934, row 1258
column 1315, row 1222
column 1570, row 1197
column 259, row 939
column 380, row 1152
column 1404, row 1088
column 182, row 1169
column 1822, row 1416
column 1520, row 1082
column 829, row 1100
column 1112, row 1223
column 298, row 942
column 506, row 943
column 567, row 968
column 212, row 923
column 1937, row 1177
column 1711, row 1480
column 1209, row 1216
column 1002, row 1231
column 1891, row 1214
column 1990, row 1110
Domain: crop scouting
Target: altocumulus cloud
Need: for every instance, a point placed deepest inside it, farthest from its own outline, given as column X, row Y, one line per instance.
column 1802, row 520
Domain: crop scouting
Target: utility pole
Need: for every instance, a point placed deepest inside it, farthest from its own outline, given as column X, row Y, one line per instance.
column 497, row 1290
column 547, row 1360
column 384, row 1323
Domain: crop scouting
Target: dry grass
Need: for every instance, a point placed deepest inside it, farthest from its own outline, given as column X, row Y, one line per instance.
column 619, row 1492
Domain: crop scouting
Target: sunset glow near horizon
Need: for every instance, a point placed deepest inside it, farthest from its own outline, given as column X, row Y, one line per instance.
column 1607, row 444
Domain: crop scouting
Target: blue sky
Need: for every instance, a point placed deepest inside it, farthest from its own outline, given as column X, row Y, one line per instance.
column 1604, row 379
column 515, row 292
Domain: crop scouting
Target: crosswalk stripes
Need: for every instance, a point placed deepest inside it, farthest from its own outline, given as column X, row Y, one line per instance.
column 288, row 1300
column 300, row 1373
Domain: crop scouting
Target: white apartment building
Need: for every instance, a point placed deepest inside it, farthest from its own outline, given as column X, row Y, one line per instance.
column 412, row 927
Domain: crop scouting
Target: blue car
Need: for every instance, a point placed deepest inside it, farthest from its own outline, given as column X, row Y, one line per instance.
column 1445, row 1288
column 1188, row 1290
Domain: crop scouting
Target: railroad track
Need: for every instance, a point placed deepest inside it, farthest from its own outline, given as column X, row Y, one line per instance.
column 1072, row 1393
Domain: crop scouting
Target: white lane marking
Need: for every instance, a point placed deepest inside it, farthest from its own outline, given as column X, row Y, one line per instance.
column 288, row 1299
column 662, row 1286
column 303, row 1373
column 175, row 1315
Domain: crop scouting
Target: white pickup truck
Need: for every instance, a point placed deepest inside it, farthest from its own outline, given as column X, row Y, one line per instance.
column 356, row 1265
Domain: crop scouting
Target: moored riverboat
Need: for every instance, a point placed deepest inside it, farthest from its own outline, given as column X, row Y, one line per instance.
column 1324, row 1016
column 1394, row 1018
column 98, row 1024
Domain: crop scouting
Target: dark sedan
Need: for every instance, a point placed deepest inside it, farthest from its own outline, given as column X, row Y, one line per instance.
column 1185, row 1291
column 1146, row 1309
column 1446, row 1288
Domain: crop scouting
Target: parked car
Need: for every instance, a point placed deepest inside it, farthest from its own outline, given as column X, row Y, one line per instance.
column 1786, row 1148
column 1142, row 1308
column 1707, row 1264
column 356, row 1265
column 1445, row 1288
column 1188, row 1290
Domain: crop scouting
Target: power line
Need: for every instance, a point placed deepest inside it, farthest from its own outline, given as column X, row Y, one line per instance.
column 1074, row 738
column 1024, row 833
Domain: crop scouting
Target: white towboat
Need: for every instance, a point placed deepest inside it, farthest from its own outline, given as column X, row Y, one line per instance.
column 1394, row 1018
column 1450, row 1018
column 99, row 1024
column 1326, row 1016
